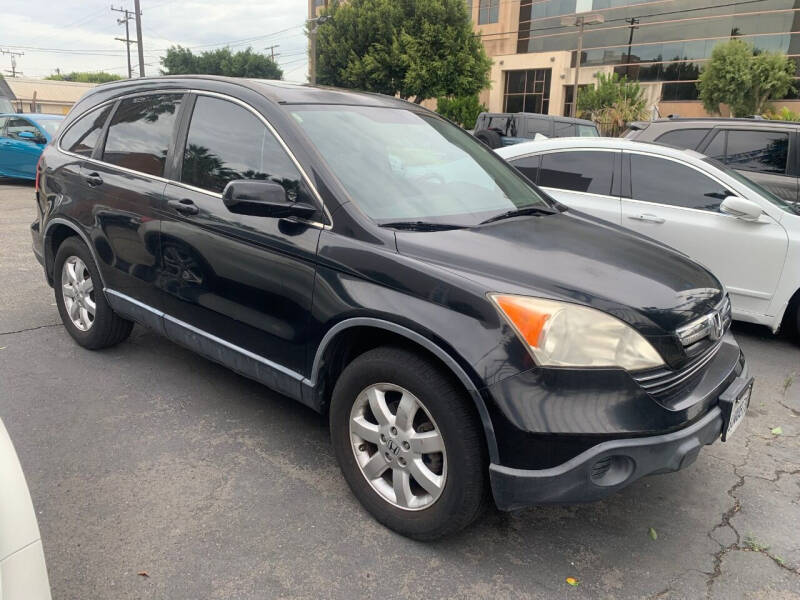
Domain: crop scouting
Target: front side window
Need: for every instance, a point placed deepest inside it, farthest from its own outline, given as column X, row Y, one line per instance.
column 581, row 171
column 664, row 181
column 17, row 125
column 399, row 164
column 228, row 142
column 762, row 151
column 683, row 138
column 82, row 137
column 140, row 132
column 488, row 11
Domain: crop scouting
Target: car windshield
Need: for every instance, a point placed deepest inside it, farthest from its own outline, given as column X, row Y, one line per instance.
column 402, row 165
column 790, row 207
column 49, row 125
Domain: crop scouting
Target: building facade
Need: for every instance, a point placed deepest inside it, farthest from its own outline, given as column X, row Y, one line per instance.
column 661, row 43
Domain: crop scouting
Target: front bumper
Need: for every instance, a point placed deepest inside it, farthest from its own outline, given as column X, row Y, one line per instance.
column 609, row 466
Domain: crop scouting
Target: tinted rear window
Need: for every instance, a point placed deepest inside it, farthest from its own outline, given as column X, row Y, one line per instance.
column 683, row 138
column 580, row 171
column 140, row 132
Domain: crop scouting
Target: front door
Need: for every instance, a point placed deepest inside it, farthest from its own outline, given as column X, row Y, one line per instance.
column 245, row 280
column 678, row 205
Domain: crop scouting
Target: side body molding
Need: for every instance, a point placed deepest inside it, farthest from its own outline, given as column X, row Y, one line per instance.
column 312, row 381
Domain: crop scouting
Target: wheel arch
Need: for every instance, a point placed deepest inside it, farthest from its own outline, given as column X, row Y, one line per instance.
column 352, row 337
column 59, row 229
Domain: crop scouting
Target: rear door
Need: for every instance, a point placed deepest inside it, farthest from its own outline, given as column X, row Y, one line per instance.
column 767, row 156
column 586, row 179
column 245, row 280
column 678, row 205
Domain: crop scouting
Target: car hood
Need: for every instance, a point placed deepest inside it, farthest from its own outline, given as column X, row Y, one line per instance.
column 572, row 256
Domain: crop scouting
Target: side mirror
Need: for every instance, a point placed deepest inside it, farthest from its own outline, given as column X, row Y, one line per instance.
column 262, row 198
column 741, row 208
column 28, row 136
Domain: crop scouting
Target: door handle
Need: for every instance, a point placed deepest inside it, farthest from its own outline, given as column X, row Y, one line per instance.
column 93, row 179
column 647, row 218
column 184, row 206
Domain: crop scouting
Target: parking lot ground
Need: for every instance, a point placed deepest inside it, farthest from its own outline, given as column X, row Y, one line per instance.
column 146, row 459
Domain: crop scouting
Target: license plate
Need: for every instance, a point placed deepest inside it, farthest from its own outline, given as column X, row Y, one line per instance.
column 738, row 410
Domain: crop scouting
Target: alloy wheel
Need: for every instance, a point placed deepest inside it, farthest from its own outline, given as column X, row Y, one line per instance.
column 398, row 446
column 78, row 293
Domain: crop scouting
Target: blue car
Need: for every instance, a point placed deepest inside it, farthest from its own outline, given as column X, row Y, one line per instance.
column 22, row 139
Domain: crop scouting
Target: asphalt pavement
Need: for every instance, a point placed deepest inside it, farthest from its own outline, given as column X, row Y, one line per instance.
column 158, row 474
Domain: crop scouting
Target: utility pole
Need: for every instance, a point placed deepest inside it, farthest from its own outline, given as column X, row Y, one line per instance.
column 580, row 21
column 138, row 13
column 633, row 23
column 271, row 49
column 312, row 39
column 14, row 56
column 127, row 40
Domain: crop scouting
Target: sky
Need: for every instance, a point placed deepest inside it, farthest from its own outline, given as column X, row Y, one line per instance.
column 74, row 35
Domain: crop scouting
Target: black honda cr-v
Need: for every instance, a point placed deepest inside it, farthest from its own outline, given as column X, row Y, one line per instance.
column 464, row 332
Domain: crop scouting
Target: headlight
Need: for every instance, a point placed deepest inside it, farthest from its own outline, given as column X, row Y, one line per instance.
column 568, row 335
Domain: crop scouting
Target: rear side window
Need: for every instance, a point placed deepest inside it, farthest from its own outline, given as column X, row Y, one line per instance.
column 762, row 151
column 563, row 129
column 227, row 142
column 82, row 137
column 683, row 138
column 528, row 165
column 543, row 126
column 580, row 171
column 140, row 132
column 664, row 181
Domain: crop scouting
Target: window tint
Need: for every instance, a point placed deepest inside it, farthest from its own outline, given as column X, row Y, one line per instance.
column 665, row 181
column 763, row 151
column 528, row 165
column 563, row 129
column 543, row 126
column 140, row 132
column 82, row 137
column 716, row 148
column 683, row 138
column 590, row 172
column 227, row 142
column 16, row 125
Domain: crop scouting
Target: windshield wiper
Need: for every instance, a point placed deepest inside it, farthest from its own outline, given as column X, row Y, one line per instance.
column 421, row 226
column 518, row 212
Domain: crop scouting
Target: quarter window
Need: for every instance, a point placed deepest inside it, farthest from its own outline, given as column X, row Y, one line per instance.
column 668, row 182
column 140, row 132
column 581, row 171
column 84, row 135
column 227, row 142
column 683, row 138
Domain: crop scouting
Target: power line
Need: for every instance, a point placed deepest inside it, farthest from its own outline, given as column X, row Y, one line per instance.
column 14, row 56
column 128, row 16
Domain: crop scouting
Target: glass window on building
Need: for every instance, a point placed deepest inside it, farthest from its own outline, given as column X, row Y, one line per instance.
column 527, row 91
column 488, row 12
column 568, row 96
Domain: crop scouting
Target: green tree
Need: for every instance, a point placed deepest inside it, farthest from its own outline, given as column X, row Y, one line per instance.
column 463, row 110
column 85, row 76
column 416, row 48
column 743, row 78
column 245, row 63
column 612, row 102
column 784, row 114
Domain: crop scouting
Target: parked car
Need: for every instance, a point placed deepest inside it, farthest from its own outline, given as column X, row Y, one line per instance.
column 23, row 573
column 761, row 150
column 22, row 138
column 506, row 129
column 461, row 330
column 748, row 237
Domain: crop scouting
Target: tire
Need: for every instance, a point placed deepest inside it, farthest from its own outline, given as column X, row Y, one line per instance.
column 489, row 137
column 461, row 467
column 102, row 329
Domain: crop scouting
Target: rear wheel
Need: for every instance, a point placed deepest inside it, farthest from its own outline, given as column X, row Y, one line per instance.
column 81, row 303
column 408, row 443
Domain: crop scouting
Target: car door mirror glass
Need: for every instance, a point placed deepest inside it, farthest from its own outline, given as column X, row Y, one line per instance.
column 262, row 198
column 741, row 208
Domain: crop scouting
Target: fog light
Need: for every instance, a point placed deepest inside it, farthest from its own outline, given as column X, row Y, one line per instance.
column 612, row 470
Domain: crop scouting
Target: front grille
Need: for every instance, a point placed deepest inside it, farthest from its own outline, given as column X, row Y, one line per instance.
column 701, row 341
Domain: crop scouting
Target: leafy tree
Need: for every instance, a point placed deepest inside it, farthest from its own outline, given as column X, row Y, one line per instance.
column 245, row 63
column 416, row 48
column 743, row 78
column 85, row 76
column 784, row 114
column 463, row 110
column 612, row 102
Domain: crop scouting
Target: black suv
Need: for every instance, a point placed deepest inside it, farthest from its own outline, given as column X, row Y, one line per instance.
column 463, row 331
column 506, row 129
column 761, row 150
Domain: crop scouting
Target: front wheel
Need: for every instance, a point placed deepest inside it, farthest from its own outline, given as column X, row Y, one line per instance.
column 408, row 443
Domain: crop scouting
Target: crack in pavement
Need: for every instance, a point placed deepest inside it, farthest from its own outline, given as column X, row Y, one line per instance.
column 30, row 329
